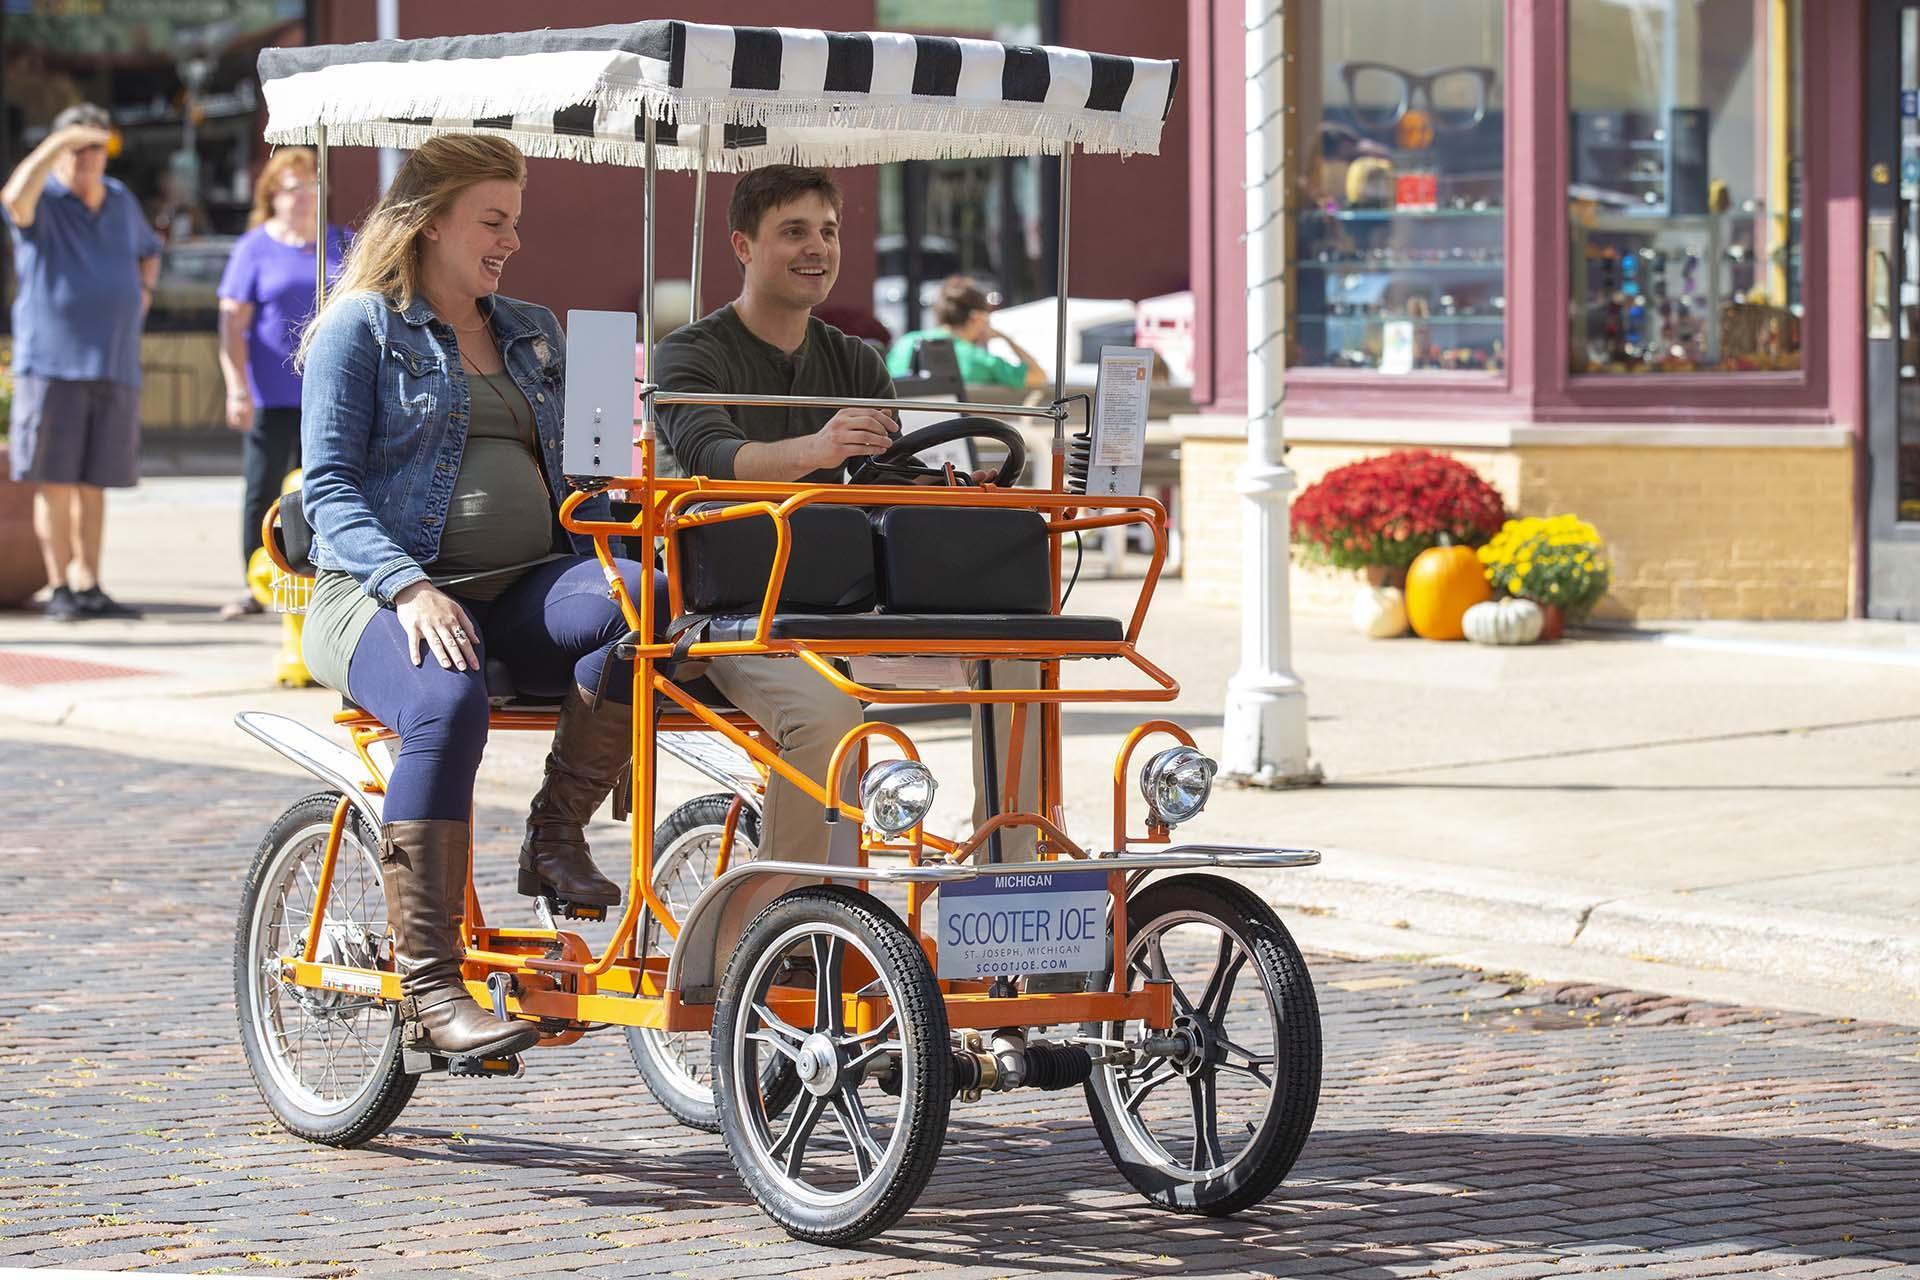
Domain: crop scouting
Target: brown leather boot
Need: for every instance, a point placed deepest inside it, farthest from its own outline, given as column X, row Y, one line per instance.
column 590, row 750
column 423, row 868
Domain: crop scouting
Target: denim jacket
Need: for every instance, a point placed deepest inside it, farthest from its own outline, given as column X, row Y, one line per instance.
column 383, row 425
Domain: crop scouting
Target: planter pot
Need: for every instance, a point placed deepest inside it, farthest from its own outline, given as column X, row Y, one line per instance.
column 1380, row 575
column 1553, row 621
column 21, row 571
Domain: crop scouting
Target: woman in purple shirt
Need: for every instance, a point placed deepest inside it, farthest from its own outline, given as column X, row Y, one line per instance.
column 266, row 295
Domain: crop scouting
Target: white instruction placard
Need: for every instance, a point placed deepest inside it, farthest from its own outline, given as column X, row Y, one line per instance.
column 1121, row 401
column 1024, row 922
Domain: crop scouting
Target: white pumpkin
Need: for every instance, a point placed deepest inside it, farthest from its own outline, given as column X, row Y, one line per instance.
column 1508, row 621
column 1380, row 612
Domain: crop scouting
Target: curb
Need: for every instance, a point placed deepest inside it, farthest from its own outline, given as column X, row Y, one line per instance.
column 1671, row 928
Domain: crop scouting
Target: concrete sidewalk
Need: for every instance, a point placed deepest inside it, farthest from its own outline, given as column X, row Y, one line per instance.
column 1725, row 811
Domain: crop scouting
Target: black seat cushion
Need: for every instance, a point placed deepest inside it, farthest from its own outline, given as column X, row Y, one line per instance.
column 921, row 626
column 505, row 697
column 961, row 560
column 294, row 535
column 724, row 567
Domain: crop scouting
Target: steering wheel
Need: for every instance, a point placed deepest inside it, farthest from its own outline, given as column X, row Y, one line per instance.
column 897, row 465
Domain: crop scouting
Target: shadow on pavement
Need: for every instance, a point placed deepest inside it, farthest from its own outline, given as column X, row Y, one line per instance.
column 1361, row 1203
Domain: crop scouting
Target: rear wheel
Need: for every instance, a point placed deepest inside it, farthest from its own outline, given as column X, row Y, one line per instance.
column 1216, row 1129
column 678, row 1065
column 856, row 1147
column 327, row 1063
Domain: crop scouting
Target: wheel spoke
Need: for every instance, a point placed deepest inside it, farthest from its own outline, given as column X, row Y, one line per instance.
column 777, row 1044
column 880, row 1028
column 1206, row 1122
column 1149, row 1081
column 829, row 954
column 853, row 1118
column 791, row 1150
column 1153, row 959
column 885, row 1046
column 790, row 1037
column 1219, row 993
column 1249, row 1068
column 1253, row 1059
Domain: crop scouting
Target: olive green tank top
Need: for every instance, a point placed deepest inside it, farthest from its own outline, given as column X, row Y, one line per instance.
column 499, row 524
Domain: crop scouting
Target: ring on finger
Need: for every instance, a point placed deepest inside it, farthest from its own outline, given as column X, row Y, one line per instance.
column 458, row 634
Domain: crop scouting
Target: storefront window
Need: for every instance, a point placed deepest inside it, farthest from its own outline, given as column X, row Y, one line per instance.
column 177, row 78
column 1400, row 228
column 982, row 217
column 1685, row 182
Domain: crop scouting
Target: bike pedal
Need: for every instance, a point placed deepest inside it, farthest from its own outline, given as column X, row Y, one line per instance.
column 549, row 904
column 568, row 910
column 476, row 1066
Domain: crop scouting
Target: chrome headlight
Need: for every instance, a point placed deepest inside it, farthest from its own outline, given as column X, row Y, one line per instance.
column 1176, row 783
column 896, row 795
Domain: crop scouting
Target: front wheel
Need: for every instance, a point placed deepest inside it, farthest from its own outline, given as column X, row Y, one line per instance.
column 328, row 1063
column 677, row 1065
column 1215, row 1129
column 856, row 1147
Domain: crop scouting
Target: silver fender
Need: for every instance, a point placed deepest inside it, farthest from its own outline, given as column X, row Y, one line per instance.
column 319, row 755
column 694, row 970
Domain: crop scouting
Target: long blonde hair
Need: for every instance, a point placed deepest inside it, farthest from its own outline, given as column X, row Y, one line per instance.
column 385, row 257
column 267, row 185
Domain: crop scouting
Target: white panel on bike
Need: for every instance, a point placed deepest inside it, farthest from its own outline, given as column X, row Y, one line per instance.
column 1120, row 404
column 598, row 438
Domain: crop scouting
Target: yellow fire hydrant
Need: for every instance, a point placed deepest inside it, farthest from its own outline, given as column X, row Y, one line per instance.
column 287, row 596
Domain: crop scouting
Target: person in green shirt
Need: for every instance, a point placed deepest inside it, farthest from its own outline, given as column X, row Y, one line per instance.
column 964, row 315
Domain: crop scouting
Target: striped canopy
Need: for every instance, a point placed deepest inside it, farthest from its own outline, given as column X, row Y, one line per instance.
column 757, row 95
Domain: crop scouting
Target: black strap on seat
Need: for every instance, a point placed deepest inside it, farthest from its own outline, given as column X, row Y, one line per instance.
column 686, row 631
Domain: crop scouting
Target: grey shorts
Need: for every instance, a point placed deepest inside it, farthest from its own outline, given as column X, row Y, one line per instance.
column 67, row 432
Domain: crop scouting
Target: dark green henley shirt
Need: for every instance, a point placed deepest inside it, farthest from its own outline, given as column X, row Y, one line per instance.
column 719, row 354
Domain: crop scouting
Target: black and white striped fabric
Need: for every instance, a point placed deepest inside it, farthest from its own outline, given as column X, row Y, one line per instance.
column 748, row 96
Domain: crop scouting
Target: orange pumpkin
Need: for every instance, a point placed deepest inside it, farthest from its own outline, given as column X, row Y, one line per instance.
column 1442, row 584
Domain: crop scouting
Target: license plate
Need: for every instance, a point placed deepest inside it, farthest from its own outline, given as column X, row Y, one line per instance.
column 1024, row 922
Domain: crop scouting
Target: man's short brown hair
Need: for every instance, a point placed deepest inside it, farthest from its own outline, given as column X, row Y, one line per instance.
column 773, row 186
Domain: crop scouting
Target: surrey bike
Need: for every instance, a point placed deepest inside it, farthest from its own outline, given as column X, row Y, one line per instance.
column 853, row 1012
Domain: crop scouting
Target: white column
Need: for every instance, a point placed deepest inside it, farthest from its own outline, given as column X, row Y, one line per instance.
column 1264, row 742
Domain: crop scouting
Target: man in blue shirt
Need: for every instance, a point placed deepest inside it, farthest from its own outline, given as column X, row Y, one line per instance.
column 86, row 261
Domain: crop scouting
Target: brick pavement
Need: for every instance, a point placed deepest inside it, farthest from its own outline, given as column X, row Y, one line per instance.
column 1471, row 1126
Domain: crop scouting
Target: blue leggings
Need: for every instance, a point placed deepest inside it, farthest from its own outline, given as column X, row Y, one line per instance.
column 554, row 628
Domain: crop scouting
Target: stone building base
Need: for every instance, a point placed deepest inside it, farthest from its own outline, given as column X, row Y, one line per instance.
column 1700, row 522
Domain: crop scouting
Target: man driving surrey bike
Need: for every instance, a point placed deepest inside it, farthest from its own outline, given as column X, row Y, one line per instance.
column 785, row 233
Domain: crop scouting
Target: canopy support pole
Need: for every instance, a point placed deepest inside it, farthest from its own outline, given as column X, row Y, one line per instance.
column 1264, row 738
column 320, row 216
column 699, row 223
column 646, row 287
column 1060, row 300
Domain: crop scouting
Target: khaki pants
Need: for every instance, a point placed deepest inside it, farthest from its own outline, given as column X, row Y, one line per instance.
column 807, row 717
column 1016, row 843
